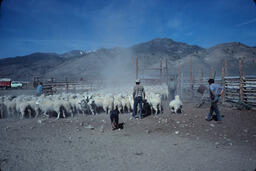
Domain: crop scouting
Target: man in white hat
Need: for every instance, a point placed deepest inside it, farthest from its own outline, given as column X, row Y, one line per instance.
column 138, row 96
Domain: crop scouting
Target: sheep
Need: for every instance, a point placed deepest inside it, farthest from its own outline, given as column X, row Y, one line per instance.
column 29, row 105
column 126, row 103
column 50, row 104
column 97, row 102
column 86, row 103
column 86, row 106
column 3, row 108
column 8, row 106
column 176, row 105
column 60, row 104
column 131, row 101
column 22, row 104
column 108, row 103
column 82, row 104
column 32, row 106
column 155, row 102
column 72, row 104
column 66, row 107
column 118, row 103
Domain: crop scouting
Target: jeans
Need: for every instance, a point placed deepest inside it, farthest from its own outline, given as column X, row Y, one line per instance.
column 214, row 108
column 137, row 100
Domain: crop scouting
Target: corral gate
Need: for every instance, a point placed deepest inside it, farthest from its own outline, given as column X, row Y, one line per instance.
column 140, row 72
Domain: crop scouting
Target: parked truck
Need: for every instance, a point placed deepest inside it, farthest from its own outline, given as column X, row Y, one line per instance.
column 5, row 83
column 16, row 84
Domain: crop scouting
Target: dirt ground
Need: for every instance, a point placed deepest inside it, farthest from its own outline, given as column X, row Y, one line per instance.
column 163, row 142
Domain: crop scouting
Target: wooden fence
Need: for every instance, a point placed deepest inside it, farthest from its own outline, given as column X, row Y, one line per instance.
column 237, row 89
column 50, row 88
column 241, row 89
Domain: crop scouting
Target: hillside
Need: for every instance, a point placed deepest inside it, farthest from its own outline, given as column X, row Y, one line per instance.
column 165, row 48
column 25, row 67
column 118, row 64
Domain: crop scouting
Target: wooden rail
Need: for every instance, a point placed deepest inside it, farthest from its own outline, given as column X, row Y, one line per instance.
column 50, row 88
column 241, row 89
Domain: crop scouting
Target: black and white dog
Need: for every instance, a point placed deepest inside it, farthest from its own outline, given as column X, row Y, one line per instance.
column 114, row 117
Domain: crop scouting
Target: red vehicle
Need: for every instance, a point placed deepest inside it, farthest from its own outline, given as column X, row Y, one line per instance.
column 5, row 83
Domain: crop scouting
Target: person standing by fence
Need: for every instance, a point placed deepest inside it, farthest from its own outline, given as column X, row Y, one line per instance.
column 172, row 88
column 39, row 89
column 215, row 92
column 138, row 97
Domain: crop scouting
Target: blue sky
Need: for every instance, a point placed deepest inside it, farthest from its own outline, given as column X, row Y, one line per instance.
column 28, row 26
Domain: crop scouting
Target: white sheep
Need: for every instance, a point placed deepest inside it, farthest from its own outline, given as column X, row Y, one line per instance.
column 21, row 104
column 176, row 105
column 83, row 103
column 118, row 102
column 51, row 104
column 10, row 104
column 131, row 101
column 98, row 100
column 3, row 107
column 33, row 105
column 154, row 99
column 126, row 103
column 108, row 103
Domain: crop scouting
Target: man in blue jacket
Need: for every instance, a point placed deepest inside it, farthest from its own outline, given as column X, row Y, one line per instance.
column 39, row 89
column 215, row 92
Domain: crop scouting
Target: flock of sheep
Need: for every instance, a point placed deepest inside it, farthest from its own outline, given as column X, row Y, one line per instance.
column 63, row 105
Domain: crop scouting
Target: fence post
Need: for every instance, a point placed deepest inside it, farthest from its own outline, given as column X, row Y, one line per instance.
column 226, row 68
column 202, row 77
column 161, row 71
column 181, row 84
column 191, row 74
column 223, row 84
column 211, row 73
column 178, row 79
column 166, row 63
column 241, row 80
column 66, row 79
column 137, row 67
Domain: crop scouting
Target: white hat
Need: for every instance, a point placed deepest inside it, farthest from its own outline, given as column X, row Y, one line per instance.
column 137, row 80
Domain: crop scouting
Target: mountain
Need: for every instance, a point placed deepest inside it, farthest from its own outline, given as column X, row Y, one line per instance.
column 25, row 67
column 165, row 48
column 73, row 53
column 107, row 64
column 118, row 64
column 232, row 52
